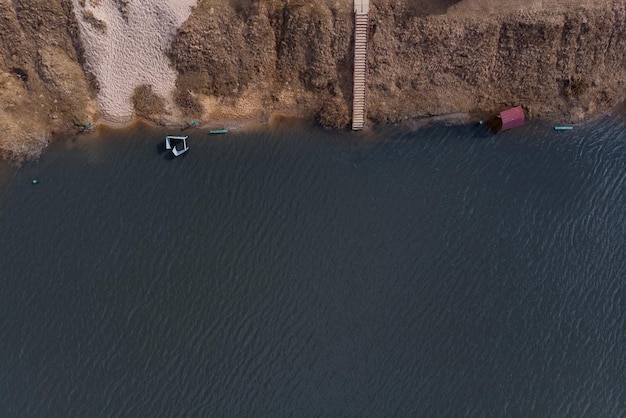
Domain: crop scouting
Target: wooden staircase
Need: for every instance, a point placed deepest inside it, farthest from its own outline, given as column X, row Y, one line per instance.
column 361, row 26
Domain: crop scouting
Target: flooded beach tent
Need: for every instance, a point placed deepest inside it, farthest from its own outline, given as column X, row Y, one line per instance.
column 169, row 145
column 512, row 118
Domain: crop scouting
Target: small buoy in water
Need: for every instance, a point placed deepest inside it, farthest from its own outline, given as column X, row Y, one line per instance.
column 35, row 181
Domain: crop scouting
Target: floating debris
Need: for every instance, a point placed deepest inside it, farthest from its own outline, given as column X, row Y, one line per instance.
column 21, row 74
column 191, row 124
column 218, row 131
column 85, row 128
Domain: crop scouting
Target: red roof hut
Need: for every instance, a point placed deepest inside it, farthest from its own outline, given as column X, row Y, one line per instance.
column 512, row 118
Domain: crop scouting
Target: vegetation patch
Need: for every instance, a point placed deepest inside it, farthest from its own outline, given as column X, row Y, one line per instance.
column 147, row 103
column 122, row 6
column 334, row 113
column 184, row 97
column 575, row 86
column 95, row 22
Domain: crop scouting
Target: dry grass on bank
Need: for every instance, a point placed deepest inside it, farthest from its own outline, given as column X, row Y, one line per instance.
column 146, row 102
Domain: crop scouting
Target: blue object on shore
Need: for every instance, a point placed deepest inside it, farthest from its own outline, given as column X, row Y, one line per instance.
column 563, row 128
column 218, row 131
column 35, row 181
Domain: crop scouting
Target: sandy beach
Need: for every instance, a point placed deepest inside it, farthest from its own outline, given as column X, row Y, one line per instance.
column 125, row 46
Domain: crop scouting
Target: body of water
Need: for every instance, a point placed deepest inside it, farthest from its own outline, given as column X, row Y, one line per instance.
column 294, row 272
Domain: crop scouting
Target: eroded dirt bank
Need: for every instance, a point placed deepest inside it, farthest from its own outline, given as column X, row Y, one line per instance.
column 244, row 60
column 43, row 88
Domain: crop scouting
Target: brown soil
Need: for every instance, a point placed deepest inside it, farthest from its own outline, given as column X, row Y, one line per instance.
column 43, row 87
column 248, row 60
column 558, row 58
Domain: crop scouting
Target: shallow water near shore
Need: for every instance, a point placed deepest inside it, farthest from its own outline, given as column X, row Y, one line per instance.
column 288, row 271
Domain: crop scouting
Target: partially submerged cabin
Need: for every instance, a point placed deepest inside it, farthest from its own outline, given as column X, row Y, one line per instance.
column 512, row 118
column 507, row 119
column 171, row 143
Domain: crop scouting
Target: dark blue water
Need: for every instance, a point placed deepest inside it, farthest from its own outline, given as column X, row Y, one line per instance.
column 293, row 272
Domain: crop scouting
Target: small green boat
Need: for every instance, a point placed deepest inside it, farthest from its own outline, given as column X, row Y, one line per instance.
column 563, row 128
column 218, row 131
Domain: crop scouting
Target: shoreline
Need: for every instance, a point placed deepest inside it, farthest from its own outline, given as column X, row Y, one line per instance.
column 94, row 64
column 278, row 118
column 241, row 125
column 415, row 123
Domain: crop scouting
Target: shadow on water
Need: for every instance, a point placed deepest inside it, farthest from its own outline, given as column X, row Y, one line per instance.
column 5, row 170
column 169, row 156
column 480, row 131
column 160, row 147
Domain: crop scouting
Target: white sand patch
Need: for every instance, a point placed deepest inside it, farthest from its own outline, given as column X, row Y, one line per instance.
column 132, row 51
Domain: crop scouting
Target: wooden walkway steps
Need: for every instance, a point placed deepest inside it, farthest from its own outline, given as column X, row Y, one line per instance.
column 361, row 26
